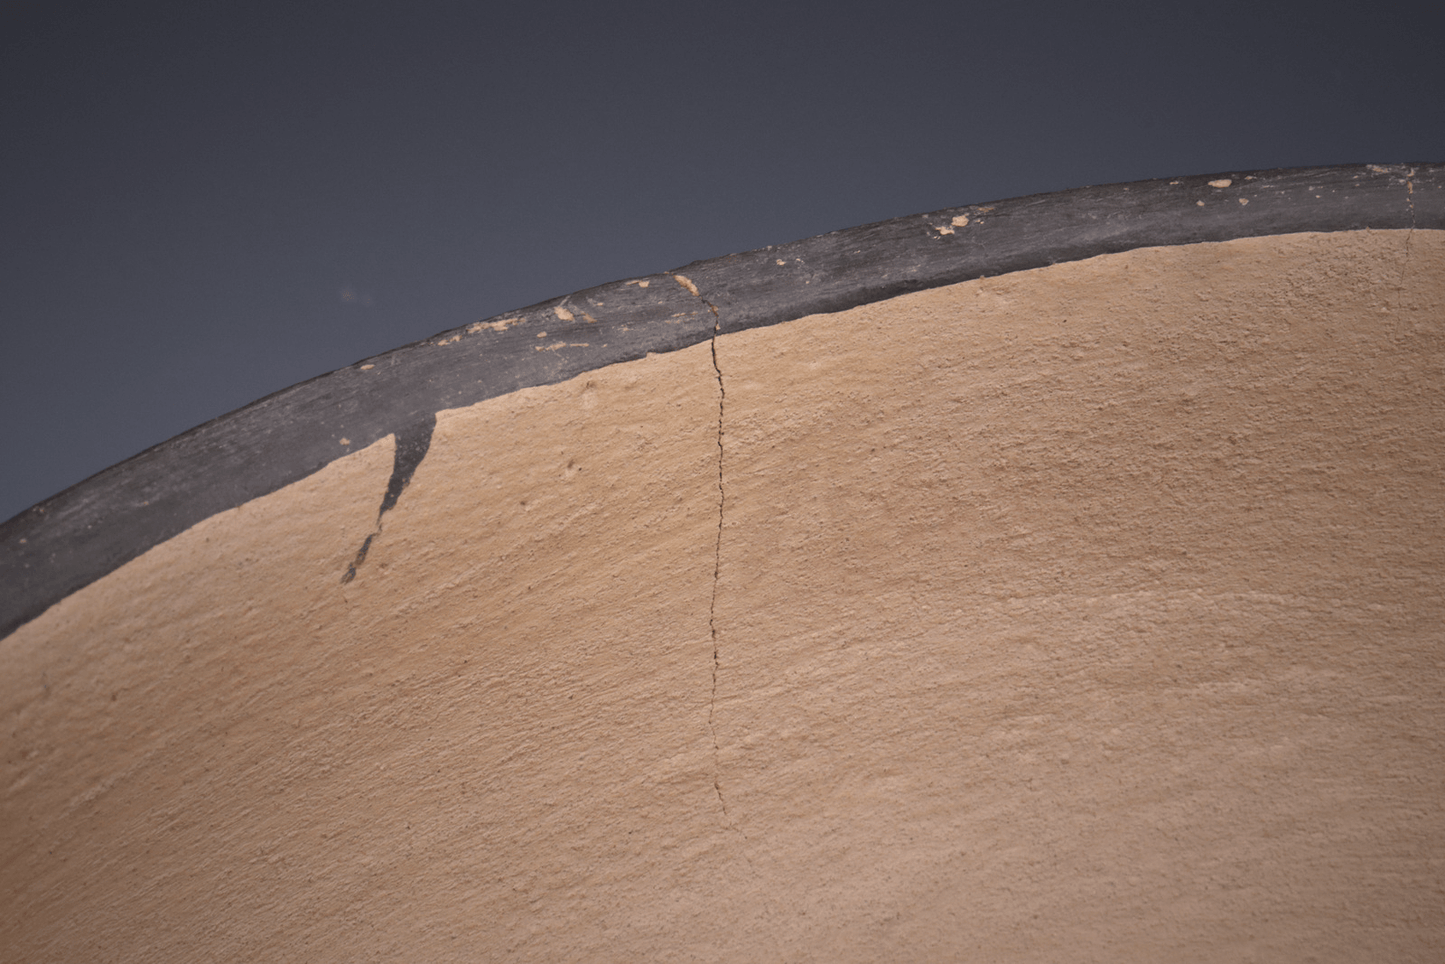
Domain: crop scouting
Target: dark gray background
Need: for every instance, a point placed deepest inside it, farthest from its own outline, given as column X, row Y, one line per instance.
column 203, row 204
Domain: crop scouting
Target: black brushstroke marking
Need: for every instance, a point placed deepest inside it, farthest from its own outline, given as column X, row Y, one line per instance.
column 360, row 558
column 411, row 447
column 72, row 539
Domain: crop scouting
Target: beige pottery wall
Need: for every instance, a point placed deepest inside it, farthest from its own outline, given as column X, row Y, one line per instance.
column 1089, row 613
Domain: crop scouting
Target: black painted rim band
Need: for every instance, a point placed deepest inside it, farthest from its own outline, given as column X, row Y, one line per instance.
column 72, row 539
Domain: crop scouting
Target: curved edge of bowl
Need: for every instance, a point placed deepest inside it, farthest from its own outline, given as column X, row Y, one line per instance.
column 92, row 528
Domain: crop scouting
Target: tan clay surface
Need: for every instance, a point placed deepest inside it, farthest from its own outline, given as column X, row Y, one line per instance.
column 1086, row 613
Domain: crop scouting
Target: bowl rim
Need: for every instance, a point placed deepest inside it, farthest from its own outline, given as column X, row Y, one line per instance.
column 75, row 537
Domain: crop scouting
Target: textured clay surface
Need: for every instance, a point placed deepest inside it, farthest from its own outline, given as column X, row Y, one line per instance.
column 1091, row 613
